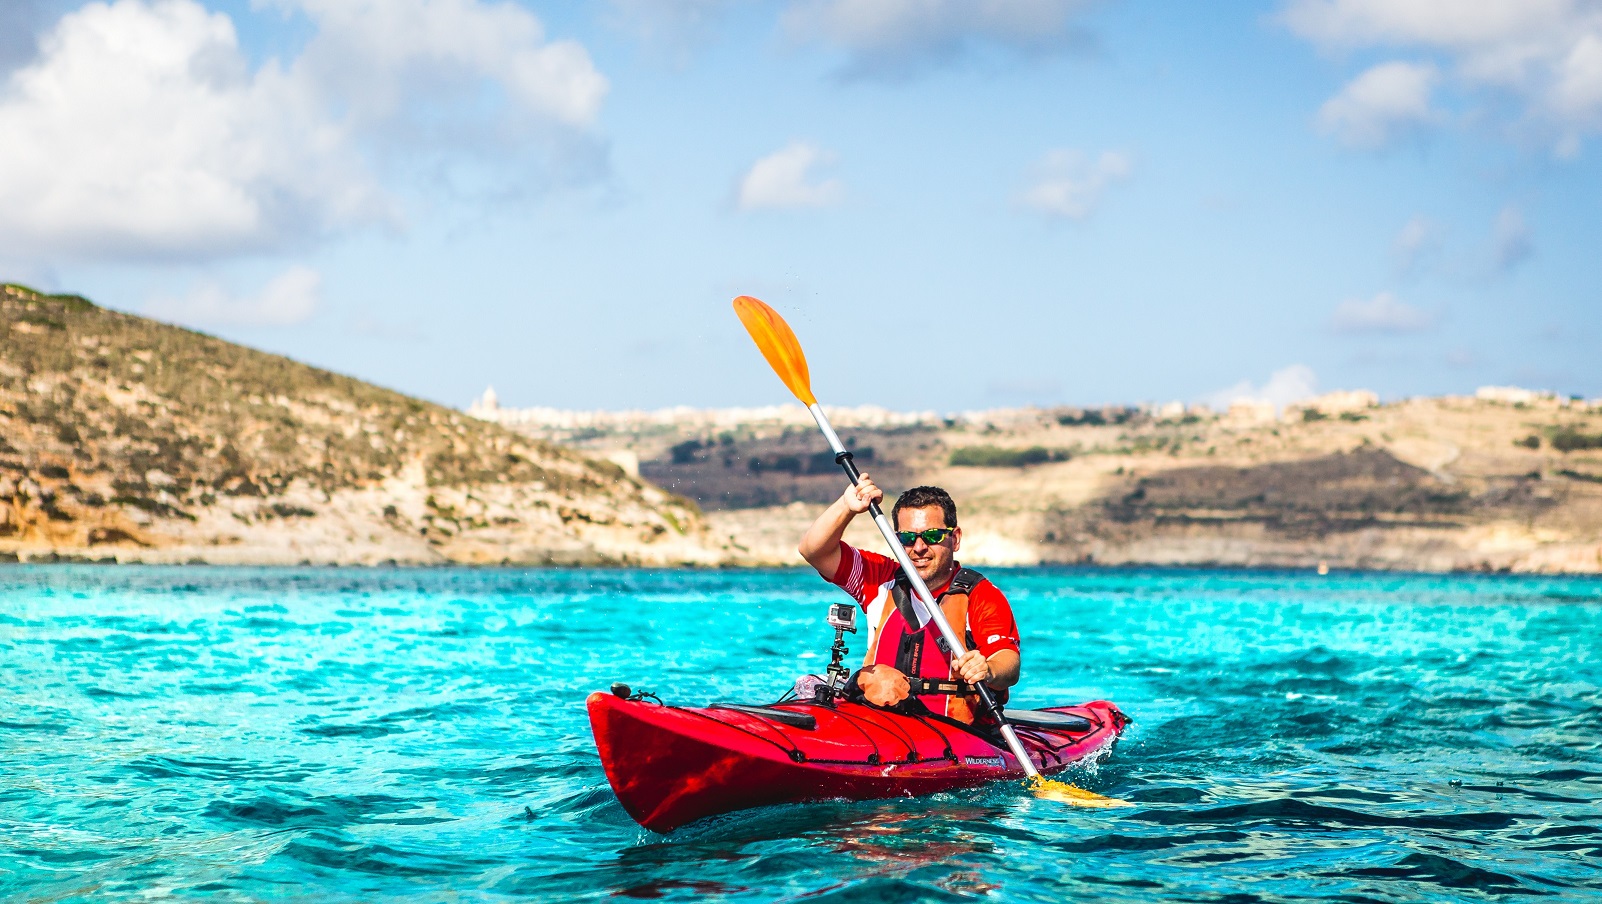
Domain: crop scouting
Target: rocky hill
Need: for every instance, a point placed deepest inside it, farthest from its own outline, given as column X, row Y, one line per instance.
column 129, row 440
column 1504, row 483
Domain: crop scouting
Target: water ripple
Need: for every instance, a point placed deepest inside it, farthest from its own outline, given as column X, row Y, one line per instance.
column 353, row 735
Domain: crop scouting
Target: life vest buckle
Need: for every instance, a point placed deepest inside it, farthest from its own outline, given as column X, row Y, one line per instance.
column 940, row 686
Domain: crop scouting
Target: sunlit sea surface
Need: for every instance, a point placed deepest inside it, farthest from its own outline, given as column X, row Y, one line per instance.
column 333, row 735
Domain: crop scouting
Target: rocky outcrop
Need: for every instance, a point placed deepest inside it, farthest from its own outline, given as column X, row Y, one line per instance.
column 129, row 440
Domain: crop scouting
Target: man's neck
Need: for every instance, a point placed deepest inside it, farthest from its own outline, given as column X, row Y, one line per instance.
column 940, row 580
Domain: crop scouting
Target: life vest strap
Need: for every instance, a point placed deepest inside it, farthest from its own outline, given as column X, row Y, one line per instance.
column 962, row 583
column 945, row 686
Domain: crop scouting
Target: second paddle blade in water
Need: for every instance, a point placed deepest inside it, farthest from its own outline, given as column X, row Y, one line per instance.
column 1062, row 792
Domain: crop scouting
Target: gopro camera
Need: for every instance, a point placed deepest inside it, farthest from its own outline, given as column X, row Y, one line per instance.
column 843, row 616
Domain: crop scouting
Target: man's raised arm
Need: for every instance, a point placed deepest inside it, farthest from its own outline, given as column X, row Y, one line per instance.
column 820, row 545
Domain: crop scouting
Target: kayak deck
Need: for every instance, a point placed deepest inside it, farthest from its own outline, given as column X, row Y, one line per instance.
column 673, row 765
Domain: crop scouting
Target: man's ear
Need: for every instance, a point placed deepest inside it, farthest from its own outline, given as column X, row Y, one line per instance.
column 956, row 539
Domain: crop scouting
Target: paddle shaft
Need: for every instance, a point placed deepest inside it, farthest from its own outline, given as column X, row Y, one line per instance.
column 920, row 590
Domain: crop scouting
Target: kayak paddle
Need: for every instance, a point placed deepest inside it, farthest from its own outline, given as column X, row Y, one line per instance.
column 778, row 344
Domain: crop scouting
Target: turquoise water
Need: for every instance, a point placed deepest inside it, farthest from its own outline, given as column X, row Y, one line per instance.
column 332, row 735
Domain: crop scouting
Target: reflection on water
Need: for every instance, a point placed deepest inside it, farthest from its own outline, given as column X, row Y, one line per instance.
column 329, row 735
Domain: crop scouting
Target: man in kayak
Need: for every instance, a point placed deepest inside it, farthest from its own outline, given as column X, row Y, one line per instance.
column 906, row 655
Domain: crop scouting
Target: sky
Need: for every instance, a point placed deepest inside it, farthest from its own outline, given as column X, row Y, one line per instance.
column 957, row 204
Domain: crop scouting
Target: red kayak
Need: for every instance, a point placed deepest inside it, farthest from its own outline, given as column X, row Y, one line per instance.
column 672, row 765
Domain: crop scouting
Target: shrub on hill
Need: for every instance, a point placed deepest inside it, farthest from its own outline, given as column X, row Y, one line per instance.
column 1568, row 439
column 996, row 457
column 1092, row 417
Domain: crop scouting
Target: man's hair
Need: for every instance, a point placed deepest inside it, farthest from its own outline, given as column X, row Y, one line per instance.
column 918, row 497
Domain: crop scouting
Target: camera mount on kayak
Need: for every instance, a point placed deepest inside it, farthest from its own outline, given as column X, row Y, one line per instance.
column 832, row 685
column 843, row 618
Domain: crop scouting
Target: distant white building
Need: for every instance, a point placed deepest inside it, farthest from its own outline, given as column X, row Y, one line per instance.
column 1513, row 395
column 1250, row 412
column 1344, row 400
column 486, row 406
column 1334, row 404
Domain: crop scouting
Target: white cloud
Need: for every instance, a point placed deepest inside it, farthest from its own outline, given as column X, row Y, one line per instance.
column 1419, row 238
column 1545, row 53
column 1068, row 184
column 1577, row 88
column 1373, row 108
column 1446, row 23
column 290, row 298
column 381, row 57
column 1284, row 386
column 898, row 37
column 786, row 178
column 1381, row 314
column 145, row 135
column 1512, row 237
column 148, row 134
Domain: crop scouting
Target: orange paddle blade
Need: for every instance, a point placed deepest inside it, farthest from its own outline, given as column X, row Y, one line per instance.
column 778, row 344
column 1073, row 796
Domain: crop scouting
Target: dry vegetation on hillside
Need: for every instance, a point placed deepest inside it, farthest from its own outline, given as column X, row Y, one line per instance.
column 125, row 438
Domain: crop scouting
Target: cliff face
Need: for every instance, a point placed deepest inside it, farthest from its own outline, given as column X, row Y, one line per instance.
column 126, row 439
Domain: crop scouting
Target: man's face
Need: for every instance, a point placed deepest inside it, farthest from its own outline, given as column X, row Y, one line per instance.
column 933, row 563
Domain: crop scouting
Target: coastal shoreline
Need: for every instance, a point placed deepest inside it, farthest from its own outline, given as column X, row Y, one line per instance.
column 127, row 440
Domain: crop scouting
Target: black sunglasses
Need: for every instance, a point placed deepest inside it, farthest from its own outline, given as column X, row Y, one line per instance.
column 931, row 536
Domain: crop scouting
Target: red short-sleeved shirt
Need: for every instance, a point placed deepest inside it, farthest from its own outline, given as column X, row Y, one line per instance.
column 868, row 576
